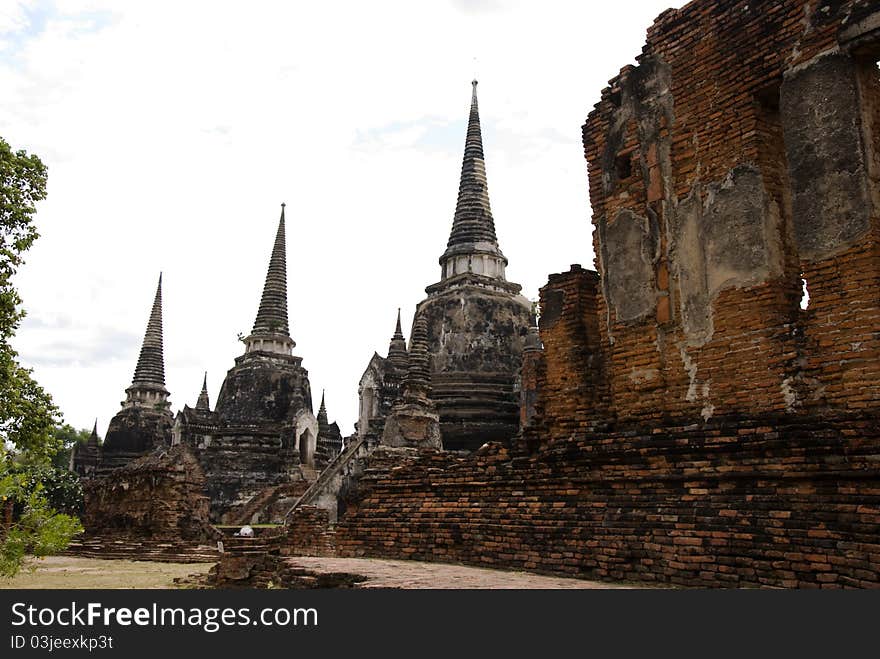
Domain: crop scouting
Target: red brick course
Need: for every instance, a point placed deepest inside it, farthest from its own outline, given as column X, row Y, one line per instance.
column 734, row 503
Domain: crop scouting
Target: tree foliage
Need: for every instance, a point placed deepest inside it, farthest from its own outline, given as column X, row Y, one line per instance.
column 38, row 530
column 61, row 487
column 28, row 418
column 22, row 185
column 27, row 415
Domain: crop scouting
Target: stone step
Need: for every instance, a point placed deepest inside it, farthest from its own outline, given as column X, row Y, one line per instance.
column 143, row 550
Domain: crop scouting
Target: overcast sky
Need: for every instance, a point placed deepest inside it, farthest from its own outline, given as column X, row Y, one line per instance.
column 174, row 130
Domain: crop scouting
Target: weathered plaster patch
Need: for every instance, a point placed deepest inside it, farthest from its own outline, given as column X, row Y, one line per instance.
column 819, row 106
column 739, row 232
column 707, row 411
column 688, row 266
column 789, row 394
column 629, row 251
column 730, row 240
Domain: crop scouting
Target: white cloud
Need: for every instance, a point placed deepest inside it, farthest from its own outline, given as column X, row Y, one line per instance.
column 173, row 131
column 13, row 17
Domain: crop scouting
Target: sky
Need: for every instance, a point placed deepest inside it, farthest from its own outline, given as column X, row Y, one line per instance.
column 174, row 130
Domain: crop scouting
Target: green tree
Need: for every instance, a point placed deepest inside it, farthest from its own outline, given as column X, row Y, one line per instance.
column 38, row 529
column 28, row 417
column 61, row 488
column 27, row 414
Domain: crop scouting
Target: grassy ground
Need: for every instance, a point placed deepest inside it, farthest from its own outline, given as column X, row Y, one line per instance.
column 75, row 572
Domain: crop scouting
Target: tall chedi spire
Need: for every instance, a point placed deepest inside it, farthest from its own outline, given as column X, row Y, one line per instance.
column 397, row 354
column 473, row 245
column 476, row 319
column 271, row 332
column 148, row 384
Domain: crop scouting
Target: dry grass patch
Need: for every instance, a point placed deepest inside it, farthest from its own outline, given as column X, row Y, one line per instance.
column 76, row 572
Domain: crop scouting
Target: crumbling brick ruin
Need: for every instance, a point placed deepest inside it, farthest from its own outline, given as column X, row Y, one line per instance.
column 687, row 420
column 160, row 496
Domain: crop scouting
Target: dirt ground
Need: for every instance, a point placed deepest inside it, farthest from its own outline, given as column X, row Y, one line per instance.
column 75, row 572
column 383, row 573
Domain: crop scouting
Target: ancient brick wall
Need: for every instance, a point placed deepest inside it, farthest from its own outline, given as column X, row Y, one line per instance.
column 737, row 157
column 572, row 385
column 309, row 534
column 739, row 503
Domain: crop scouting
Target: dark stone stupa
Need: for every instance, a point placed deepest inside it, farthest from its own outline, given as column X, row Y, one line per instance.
column 413, row 421
column 476, row 319
column 329, row 443
column 145, row 420
column 268, row 383
column 262, row 433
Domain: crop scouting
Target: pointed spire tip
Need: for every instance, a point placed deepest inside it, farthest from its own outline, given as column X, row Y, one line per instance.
column 272, row 312
column 150, row 369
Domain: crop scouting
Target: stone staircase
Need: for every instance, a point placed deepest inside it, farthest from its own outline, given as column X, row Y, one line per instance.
column 262, row 502
column 330, row 471
column 309, row 473
column 143, row 549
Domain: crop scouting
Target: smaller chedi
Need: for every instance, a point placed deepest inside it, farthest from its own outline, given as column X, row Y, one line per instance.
column 379, row 387
column 413, row 420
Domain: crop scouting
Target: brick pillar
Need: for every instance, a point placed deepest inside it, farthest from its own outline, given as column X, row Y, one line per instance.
column 574, row 393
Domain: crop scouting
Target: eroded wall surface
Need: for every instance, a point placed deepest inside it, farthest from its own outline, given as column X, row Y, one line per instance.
column 737, row 159
column 160, row 496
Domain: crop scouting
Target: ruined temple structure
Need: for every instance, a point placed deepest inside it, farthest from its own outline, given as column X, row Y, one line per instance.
column 126, row 504
column 260, row 444
column 379, row 387
column 688, row 416
column 262, row 435
column 144, row 422
column 476, row 322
